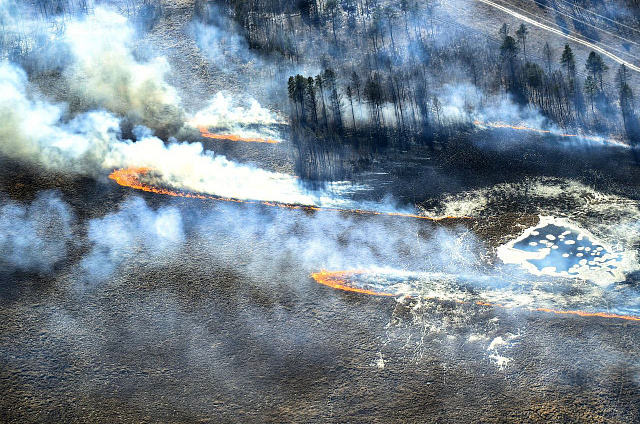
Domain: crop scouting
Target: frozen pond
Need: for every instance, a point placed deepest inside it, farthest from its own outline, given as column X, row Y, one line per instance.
column 557, row 247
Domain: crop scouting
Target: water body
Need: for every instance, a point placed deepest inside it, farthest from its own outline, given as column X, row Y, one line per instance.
column 558, row 248
column 567, row 250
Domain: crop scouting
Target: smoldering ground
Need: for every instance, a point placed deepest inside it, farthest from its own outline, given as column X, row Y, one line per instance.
column 187, row 335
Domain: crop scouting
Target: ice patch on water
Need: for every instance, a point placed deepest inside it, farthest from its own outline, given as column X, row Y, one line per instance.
column 564, row 257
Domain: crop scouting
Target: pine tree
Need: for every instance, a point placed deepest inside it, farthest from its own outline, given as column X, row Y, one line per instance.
column 521, row 33
column 625, row 95
column 568, row 60
column 508, row 53
column 596, row 66
column 591, row 89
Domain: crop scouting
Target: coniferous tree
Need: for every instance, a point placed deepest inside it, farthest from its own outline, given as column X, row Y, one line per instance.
column 596, row 66
column 591, row 90
column 625, row 97
column 569, row 62
column 521, row 33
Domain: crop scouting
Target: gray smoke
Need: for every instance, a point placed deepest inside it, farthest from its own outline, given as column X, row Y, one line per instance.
column 106, row 74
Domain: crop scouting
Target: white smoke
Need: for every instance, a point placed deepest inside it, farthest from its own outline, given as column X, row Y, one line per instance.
column 35, row 236
column 35, row 129
column 117, row 89
column 222, row 112
column 465, row 102
column 99, row 58
column 266, row 241
column 247, row 119
column 187, row 166
column 135, row 228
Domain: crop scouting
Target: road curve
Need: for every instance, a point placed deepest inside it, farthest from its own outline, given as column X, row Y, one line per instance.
column 558, row 32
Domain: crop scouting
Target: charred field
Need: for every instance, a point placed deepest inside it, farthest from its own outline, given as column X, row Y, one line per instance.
column 204, row 336
column 319, row 211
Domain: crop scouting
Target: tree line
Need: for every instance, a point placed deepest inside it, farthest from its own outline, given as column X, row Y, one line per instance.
column 385, row 67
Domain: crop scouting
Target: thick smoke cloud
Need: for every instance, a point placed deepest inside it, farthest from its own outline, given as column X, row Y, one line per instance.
column 34, row 129
column 35, row 236
column 188, row 166
column 119, row 91
column 102, row 62
column 105, row 74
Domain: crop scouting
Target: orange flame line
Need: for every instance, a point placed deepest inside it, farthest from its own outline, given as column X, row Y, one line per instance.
column 338, row 280
column 130, row 177
column 524, row 128
column 204, row 132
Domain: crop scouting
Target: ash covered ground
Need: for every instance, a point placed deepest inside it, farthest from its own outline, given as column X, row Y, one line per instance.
column 127, row 306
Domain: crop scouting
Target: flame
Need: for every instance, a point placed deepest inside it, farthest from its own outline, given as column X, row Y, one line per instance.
column 589, row 314
column 525, row 128
column 339, row 280
column 132, row 177
column 232, row 137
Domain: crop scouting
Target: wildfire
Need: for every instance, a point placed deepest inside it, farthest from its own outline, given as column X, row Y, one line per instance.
column 340, row 280
column 232, row 137
column 589, row 314
column 132, row 177
column 525, row 128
